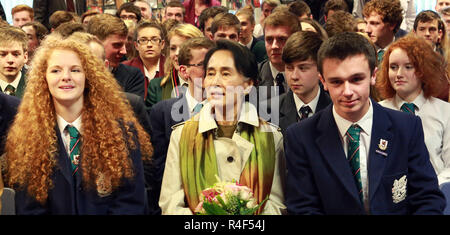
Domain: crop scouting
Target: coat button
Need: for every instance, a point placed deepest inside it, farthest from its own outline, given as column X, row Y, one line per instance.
column 230, row 159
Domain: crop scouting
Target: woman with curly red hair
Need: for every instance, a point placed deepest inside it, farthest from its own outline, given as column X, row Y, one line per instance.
column 75, row 146
column 411, row 74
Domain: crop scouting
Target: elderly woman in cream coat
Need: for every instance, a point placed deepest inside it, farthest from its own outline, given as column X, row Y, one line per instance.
column 226, row 139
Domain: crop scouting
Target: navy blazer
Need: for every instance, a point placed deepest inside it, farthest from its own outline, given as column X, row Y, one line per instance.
column 320, row 180
column 163, row 116
column 69, row 197
column 130, row 79
column 8, row 110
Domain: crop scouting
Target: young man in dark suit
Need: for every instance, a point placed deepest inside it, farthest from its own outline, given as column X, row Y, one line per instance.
column 356, row 157
column 278, row 26
column 112, row 32
column 13, row 57
column 305, row 97
column 166, row 113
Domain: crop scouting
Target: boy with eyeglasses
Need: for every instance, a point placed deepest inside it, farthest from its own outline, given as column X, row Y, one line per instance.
column 149, row 43
column 167, row 113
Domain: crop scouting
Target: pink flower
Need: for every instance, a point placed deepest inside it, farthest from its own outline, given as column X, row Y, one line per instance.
column 210, row 194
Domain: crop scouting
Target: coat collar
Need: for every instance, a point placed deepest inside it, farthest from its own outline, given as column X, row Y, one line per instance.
column 247, row 115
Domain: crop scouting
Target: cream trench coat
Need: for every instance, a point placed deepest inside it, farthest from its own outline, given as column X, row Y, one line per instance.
column 172, row 198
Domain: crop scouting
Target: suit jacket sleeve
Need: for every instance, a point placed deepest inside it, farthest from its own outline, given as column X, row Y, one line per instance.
column 424, row 194
column 160, row 146
column 301, row 193
column 135, row 83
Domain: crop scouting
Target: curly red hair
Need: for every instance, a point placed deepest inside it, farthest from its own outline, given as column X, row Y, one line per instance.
column 109, row 127
column 428, row 64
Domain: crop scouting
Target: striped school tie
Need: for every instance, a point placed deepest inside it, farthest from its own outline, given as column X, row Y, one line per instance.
column 74, row 151
column 10, row 90
column 408, row 108
column 353, row 156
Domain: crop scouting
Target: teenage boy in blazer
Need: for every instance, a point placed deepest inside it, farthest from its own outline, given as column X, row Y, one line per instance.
column 386, row 171
column 305, row 97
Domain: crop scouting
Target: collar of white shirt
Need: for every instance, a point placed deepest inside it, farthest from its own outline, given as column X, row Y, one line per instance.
column 62, row 128
column 365, row 122
column 274, row 72
column 191, row 101
column 182, row 81
column 419, row 101
column 15, row 83
column 313, row 104
column 63, row 123
column 249, row 45
column 147, row 73
column 247, row 115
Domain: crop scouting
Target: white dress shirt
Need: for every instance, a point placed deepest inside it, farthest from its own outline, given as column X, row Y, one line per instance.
column 65, row 133
column 15, row 83
column 149, row 75
column 275, row 72
column 192, row 102
column 313, row 104
column 365, row 123
column 172, row 198
column 435, row 116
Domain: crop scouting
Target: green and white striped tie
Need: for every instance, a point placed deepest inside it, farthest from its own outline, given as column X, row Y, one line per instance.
column 353, row 156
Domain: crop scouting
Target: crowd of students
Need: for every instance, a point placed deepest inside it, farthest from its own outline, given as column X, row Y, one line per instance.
column 337, row 109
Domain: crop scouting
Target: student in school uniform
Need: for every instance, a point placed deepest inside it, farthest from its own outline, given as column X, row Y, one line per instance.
column 410, row 77
column 355, row 156
column 75, row 146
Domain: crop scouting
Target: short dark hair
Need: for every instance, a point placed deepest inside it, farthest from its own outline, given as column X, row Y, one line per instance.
column 283, row 18
column 299, row 8
column 344, row 45
column 130, row 7
column 39, row 28
column 301, row 46
column 225, row 20
column 185, row 55
column 335, row 5
column 176, row 3
column 59, row 17
column 150, row 24
column 426, row 16
column 340, row 21
column 244, row 60
column 68, row 28
column 209, row 13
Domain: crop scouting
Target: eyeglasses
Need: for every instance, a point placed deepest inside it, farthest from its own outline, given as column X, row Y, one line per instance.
column 196, row 65
column 128, row 17
column 145, row 41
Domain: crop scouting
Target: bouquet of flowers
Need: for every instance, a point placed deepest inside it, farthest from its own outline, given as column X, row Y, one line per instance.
column 227, row 198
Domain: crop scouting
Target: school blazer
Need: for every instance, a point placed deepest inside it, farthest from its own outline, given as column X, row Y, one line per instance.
column 70, row 197
column 320, row 180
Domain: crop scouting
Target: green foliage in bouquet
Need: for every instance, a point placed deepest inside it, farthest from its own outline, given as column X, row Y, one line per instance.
column 228, row 199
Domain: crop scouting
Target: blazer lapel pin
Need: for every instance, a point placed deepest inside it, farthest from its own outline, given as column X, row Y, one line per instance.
column 382, row 146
